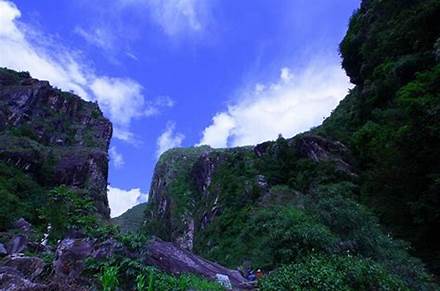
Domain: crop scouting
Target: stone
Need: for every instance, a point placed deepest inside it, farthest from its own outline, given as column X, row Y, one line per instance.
column 17, row 244
column 107, row 249
column 23, row 225
column 170, row 258
column 70, row 256
column 30, row 267
column 54, row 119
column 3, row 251
column 13, row 280
column 224, row 281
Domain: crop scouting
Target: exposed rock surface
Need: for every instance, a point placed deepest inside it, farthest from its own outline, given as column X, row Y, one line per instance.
column 25, row 273
column 168, row 257
column 55, row 136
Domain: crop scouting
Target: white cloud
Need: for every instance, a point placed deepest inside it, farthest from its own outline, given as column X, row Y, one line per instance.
column 217, row 134
column 169, row 139
column 121, row 98
column 299, row 100
column 25, row 49
column 116, row 157
column 175, row 17
column 121, row 200
column 97, row 36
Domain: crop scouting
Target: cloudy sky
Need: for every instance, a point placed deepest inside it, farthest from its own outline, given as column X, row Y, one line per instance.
column 172, row 73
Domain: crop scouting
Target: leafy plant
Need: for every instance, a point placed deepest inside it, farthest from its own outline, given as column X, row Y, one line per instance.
column 109, row 278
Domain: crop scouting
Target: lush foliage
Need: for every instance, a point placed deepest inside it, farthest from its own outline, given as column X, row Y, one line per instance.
column 20, row 196
column 109, row 278
column 129, row 274
column 322, row 272
column 391, row 119
column 66, row 210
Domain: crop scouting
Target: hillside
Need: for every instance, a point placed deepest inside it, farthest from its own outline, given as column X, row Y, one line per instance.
column 352, row 204
column 132, row 219
column 309, row 200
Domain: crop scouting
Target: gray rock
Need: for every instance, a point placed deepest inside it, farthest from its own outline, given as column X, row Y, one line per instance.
column 23, row 225
column 170, row 258
column 224, row 281
column 17, row 244
column 3, row 251
column 13, row 280
column 30, row 267
column 55, row 119
column 70, row 256
column 107, row 249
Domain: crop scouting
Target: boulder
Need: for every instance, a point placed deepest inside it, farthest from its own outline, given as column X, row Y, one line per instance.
column 30, row 267
column 170, row 258
column 3, row 251
column 70, row 256
column 17, row 244
column 107, row 249
column 13, row 280
column 23, row 225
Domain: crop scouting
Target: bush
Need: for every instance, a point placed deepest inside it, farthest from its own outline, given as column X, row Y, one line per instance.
column 323, row 272
column 267, row 237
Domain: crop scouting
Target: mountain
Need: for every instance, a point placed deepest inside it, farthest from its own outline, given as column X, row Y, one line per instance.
column 132, row 219
column 55, row 231
column 350, row 205
column 305, row 202
column 48, row 138
column 391, row 118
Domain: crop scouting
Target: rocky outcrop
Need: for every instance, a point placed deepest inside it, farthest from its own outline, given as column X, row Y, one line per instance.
column 19, row 272
column 55, row 136
column 179, row 216
column 170, row 258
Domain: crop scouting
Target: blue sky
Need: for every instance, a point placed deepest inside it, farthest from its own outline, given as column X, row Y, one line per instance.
column 183, row 72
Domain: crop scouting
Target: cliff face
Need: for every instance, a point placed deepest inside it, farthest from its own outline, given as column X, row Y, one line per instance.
column 279, row 202
column 53, row 136
column 193, row 186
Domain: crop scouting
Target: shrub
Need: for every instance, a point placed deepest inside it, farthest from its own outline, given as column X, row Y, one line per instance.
column 323, row 272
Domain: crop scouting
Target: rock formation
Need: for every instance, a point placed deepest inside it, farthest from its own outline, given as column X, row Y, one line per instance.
column 55, row 136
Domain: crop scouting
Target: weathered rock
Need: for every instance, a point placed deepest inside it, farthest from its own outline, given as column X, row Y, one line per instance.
column 107, row 249
column 319, row 149
column 70, row 256
column 13, row 280
column 30, row 267
column 3, row 251
column 17, row 244
column 54, row 136
column 224, row 281
column 23, row 225
column 170, row 258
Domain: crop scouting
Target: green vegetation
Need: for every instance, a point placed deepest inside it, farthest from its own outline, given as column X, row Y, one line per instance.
column 20, row 195
column 131, row 220
column 109, row 279
column 308, row 209
column 321, row 272
column 128, row 274
column 66, row 210
column 391, row 119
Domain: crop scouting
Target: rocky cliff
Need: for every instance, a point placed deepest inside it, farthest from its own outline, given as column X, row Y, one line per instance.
column 368, row 174
column 54, row 137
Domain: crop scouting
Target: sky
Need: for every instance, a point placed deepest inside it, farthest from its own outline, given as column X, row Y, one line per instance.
column 180, row 73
